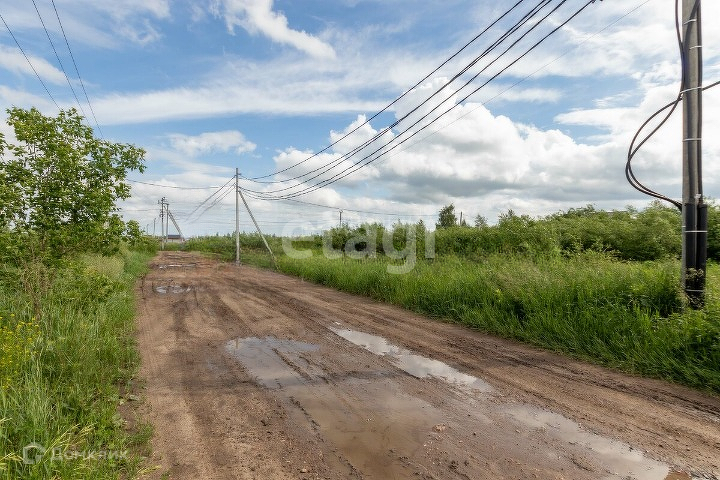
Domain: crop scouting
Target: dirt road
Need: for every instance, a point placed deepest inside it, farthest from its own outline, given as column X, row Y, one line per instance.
column 251, row 374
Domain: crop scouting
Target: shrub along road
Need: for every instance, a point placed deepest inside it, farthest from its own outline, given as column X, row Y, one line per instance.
column 254, row 374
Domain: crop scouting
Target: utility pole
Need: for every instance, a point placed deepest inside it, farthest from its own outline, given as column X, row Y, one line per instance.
column 694, row 209
column 237, row 217
column 341, row 218
column 163, row 222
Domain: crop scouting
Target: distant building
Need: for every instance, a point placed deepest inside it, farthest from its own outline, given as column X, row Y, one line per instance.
column 175, row 238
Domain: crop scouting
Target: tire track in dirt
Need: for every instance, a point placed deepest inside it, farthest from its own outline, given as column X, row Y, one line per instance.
column 246, row 378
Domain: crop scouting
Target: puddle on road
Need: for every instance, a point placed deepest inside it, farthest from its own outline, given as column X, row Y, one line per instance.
column 416, row 365
column 366, row 420
column 268, row 359
column 386, row 432
column 177, row 265
column 172, row 288
column 618, row 457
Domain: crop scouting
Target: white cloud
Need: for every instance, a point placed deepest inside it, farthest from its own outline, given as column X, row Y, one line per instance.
column 13, row 60
column 224, row 141
column 257, row 16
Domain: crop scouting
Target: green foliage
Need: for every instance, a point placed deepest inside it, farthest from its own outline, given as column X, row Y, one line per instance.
column 58, row 188
column 65, row 392
column 446, row 217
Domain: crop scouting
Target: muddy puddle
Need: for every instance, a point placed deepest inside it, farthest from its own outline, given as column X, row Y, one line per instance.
column 177, row 265
column 172, row 288
column 386, row 424
column 416, row 365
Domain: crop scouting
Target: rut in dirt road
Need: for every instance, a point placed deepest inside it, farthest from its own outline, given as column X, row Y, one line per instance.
column 251, row 374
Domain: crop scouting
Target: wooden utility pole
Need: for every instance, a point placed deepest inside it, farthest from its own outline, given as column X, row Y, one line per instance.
column 694, row 209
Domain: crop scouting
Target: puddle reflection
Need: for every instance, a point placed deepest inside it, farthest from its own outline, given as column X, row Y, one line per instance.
column 172, row 289
column 416, row 365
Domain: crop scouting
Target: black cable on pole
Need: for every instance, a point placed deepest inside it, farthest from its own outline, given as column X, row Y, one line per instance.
column 77, row 71
column 29, row 62
column 632, row 150
column 357, row 166
column 454, row 55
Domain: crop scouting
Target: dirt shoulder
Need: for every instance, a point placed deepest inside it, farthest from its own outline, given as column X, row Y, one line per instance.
column 253, row 374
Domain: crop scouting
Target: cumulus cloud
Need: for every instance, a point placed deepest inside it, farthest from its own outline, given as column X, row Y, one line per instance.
column 258, row 17
column 224, row 141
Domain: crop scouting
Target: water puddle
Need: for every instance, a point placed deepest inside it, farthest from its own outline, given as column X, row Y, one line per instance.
column 369, row 422
column 177, row 265
column 382, row 428
column 173, row 288
column 416, row 365
column 617, row 458
column 274, row 362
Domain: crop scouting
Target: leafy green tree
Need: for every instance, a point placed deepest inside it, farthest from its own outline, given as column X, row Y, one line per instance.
column 58, row 188
column 447, row 217
column 480, row 221
column 59, row 185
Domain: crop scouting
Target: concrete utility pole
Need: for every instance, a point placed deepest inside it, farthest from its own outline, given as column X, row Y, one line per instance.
column 694, row 209
column 340, row 219
column 237, row 217
column 163, row 223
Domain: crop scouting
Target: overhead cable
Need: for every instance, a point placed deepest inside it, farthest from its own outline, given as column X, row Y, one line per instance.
column 30, row 63
column 387, row 107
column 358, row 165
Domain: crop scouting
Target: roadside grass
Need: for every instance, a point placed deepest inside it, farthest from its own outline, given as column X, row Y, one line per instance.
column 63, row 389
column 628, row 315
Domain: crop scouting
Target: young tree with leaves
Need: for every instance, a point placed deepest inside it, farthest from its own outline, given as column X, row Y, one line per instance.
column 58, row 188
column 447, row 217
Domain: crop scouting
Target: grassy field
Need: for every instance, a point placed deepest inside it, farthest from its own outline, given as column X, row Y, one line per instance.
column 62, row 373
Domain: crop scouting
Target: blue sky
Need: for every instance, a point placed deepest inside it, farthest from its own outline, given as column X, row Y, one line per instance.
column 207, row 86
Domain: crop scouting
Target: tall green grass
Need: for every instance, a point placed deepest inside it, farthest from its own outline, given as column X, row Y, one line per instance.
column 63, row 393
column 628, row 315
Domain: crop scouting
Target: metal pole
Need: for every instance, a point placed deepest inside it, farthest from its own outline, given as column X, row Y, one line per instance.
column 237, row 218
column 694, row 211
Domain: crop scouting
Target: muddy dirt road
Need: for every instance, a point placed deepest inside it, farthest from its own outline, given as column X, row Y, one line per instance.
column 255, row 375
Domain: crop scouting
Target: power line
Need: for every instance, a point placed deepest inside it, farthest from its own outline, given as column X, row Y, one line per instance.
column 77, row 71
column 358, row 165
column 345, row 209
column 397, row 99
column 209, row 197
column 171, row 186
column 29, row 62
column 52, row 44
column 507, row 34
